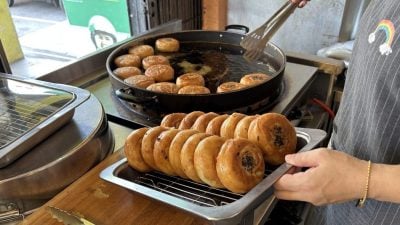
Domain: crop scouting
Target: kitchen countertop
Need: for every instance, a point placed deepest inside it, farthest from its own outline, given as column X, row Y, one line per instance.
column 104, row 203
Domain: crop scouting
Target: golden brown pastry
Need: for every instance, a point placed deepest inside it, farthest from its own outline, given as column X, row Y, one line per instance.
column 254, row 79
column 141, row 81
column 202, row 121
column 164, row 87
column 189, row 120
column 149, row 139
column 242, row 128
column 142, row 51
column 275, row 135
column 190, row 79
column 128, row 71
column 161, row 151
column 172, row 120
column 154, row 60
column 194, row 90
column 240, row 165
column 175, row 150
column 160, row 73
column 214, row 126
column 167, row 45
column 229, row 125
column 230, row 86
column 205, row 160
column 187, row 156
column 127, row 60
column 132, row 149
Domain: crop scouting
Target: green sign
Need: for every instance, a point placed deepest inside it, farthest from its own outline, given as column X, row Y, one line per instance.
column 101, row 14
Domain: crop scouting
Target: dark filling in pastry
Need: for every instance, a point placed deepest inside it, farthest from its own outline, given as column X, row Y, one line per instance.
column 278, row 134
column 248, row 162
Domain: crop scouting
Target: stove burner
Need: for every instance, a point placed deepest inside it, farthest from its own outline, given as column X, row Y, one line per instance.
column 154, row 117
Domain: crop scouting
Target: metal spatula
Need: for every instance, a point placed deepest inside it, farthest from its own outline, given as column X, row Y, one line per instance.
column 255, row 42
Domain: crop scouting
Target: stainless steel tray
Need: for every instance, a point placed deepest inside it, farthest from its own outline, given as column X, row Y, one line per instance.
column 218, row 206
column 30, row 111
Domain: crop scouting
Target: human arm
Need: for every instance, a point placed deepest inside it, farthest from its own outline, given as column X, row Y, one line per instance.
column 385, row 183
column 334, row 176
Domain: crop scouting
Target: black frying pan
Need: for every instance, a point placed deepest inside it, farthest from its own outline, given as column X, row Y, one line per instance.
column 223, row 51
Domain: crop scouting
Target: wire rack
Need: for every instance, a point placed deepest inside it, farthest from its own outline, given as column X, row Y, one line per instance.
column 218, row 206
column 197, row 193
column 17, row 117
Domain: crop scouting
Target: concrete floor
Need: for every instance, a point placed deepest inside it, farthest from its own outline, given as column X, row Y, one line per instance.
column 47, row 39
column 32, row 16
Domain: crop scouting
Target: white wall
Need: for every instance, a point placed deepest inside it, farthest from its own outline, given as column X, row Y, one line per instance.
column 308, row 29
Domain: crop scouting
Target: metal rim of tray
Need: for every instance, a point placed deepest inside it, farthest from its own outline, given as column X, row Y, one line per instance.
column 35, row 134
column 225, row 214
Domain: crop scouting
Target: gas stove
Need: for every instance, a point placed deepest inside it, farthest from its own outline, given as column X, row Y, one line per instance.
column 303, row 78
column 296, row 81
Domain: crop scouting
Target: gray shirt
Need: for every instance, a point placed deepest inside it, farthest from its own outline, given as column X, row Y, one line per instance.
column 368, row 122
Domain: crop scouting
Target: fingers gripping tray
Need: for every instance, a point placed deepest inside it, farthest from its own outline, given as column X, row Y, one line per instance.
column 219, row 206
column 30, row 111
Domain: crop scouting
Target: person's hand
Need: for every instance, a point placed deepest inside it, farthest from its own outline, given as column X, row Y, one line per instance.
column 301, row 3
column 332, row 177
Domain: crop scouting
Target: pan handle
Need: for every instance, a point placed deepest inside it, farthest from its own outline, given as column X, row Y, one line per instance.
column 238, row 27
column 124, row 94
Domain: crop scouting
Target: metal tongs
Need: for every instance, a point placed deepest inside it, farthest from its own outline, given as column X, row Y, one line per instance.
column 255, row 42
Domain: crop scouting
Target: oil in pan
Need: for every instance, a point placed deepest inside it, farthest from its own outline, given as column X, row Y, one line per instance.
column 218, row 63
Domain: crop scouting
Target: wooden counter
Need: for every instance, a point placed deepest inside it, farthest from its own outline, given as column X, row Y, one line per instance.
column 104, row 203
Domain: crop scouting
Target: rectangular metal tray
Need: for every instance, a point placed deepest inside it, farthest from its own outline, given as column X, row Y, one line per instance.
column 30, row 111
column 218, row 206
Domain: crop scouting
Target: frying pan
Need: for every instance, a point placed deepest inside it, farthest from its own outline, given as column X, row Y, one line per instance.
column 222, row 51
